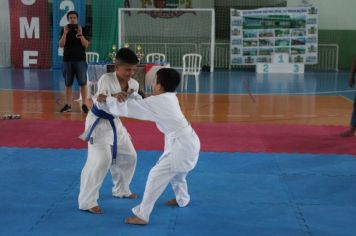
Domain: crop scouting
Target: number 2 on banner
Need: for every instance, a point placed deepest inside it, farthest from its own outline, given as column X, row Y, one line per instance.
column 265, row 68
column 65, row 5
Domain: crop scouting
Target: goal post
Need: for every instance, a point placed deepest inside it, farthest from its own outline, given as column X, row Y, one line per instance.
column 171, row 31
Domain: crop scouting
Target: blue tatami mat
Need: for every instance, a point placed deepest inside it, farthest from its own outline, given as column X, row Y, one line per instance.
column 232, row 194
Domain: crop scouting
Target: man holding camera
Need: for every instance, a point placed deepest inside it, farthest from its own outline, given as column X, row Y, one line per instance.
column 74, row 62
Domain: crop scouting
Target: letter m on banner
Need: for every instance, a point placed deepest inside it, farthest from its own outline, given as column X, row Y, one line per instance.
column 27, row 30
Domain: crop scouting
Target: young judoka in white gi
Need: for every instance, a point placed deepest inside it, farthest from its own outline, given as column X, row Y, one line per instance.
column 109, row 144
column 181, row 148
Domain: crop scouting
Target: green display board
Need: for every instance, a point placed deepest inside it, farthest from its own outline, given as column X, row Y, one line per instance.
column 257, row 34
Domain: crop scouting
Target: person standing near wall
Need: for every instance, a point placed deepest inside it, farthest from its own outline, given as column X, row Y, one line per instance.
column 351, row 131
column 74, row 43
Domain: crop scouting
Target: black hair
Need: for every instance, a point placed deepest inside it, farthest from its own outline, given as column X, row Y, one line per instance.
column 126, row 56
column 168, row 78
column 72, row 13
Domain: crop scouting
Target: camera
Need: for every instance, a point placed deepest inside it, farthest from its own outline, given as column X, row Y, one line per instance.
column 72, row 26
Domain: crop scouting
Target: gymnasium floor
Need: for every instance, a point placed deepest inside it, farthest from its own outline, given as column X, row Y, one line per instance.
column 271, row 163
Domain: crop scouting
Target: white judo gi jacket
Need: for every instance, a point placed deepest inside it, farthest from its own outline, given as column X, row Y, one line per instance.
column 103, row 133
column 182, row 145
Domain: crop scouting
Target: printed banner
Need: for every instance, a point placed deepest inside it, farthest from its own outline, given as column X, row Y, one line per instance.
column 60, row 8
column 257, row 34
column 30, row 42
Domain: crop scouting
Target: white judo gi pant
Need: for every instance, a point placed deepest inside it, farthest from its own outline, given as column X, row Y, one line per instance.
column 158, row 179
column 99, row 161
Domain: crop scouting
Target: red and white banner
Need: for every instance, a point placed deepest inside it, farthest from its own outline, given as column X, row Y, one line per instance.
column 30, row 41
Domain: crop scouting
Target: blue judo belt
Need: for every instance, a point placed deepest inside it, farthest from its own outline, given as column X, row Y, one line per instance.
column 103, row 115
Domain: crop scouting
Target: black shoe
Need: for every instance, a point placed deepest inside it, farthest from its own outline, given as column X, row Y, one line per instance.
column 66, row 108
column 85, row 108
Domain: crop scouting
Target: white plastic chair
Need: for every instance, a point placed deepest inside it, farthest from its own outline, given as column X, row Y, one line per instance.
column 92, row 57
column 191, row 66
column 156, row 58
column 91, row 84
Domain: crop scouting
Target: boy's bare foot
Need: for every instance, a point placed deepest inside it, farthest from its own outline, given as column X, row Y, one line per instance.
column 135, row 221
column 95, row 210
column 348, row 133
column 172, row 202
column 133, row 196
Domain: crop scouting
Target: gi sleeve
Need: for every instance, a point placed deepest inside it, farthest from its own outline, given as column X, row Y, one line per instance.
column 134, row 107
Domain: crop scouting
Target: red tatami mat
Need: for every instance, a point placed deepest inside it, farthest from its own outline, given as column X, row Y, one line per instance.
column 215, row 137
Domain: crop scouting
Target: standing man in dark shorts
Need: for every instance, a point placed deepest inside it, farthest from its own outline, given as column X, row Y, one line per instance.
column 350, row 132
column 74, row 62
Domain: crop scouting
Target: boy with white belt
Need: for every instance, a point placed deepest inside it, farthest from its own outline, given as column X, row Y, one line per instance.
column 182, row 145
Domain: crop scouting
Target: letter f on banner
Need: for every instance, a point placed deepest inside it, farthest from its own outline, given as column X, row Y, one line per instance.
column 27, row 60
